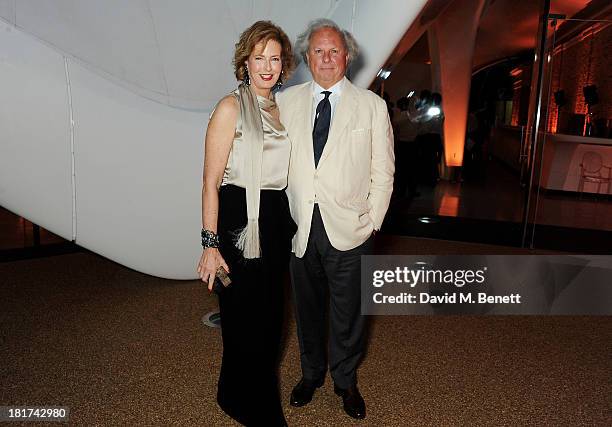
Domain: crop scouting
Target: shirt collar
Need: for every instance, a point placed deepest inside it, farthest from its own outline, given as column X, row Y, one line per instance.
column 335, row 89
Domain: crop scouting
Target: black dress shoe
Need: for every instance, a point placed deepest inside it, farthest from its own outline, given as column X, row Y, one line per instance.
column 352, row 401
column 303, row 391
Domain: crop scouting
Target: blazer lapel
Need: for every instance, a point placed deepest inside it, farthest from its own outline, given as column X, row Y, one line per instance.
column 306, row 121
column 341, row 118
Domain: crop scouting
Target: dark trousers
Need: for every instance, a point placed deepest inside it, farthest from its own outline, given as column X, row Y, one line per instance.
column 430, row 150
column 326, row 283
column 406, row 164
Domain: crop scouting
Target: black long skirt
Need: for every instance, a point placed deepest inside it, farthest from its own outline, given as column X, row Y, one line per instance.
column 252, row 308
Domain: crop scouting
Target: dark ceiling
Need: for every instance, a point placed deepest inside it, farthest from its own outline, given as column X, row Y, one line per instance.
column 507, row 28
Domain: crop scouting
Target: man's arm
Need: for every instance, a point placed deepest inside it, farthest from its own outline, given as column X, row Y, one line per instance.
column 382, row 165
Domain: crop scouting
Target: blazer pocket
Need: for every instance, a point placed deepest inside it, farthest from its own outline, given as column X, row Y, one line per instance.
column 360, row 205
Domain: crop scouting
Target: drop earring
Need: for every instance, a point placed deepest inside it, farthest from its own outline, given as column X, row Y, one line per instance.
column 246, row 80
column 279, row 82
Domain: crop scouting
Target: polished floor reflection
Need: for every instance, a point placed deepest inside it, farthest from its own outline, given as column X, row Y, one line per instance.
column 489, row 204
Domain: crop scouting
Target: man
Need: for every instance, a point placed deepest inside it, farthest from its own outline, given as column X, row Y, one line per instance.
column 405, row 130
column 340, row 184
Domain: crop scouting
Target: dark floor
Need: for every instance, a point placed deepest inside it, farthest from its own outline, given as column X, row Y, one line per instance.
column 488, row 207
column 122, row 348
column 495, row 194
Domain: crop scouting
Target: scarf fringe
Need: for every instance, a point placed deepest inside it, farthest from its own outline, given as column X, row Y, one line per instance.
column 247, row 240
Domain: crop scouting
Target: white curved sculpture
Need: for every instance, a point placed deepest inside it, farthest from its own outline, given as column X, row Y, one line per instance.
column 105, row 105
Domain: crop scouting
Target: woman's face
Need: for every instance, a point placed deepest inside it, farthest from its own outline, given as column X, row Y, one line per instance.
column 265, row 65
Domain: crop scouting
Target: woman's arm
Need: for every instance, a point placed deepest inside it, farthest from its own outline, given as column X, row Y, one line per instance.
column 217, row 146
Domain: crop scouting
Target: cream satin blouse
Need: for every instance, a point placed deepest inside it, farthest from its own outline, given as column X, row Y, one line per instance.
column 276, row 151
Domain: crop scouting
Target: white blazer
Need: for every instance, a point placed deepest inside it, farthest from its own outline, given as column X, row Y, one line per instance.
column 354, row 178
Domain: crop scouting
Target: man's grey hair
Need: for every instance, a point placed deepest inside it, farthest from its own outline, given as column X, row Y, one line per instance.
column 303, row 40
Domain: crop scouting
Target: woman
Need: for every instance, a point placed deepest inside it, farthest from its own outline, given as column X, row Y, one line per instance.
column 247, row 228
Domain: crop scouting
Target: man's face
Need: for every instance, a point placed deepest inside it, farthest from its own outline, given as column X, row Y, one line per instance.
column 327, row 57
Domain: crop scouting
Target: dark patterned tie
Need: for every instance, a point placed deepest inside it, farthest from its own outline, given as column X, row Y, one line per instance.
column 321, row 126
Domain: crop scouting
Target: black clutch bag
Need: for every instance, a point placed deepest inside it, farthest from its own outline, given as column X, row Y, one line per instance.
column 222, row 280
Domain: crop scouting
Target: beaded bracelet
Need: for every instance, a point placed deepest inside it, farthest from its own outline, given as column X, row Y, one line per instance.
column 209, row 239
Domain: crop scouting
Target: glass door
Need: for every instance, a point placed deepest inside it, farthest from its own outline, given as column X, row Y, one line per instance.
column 569, row 159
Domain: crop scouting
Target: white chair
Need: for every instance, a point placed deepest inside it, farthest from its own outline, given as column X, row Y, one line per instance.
column 592, row 170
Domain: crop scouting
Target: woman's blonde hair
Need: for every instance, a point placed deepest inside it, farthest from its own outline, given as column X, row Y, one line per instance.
column 262, row 31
